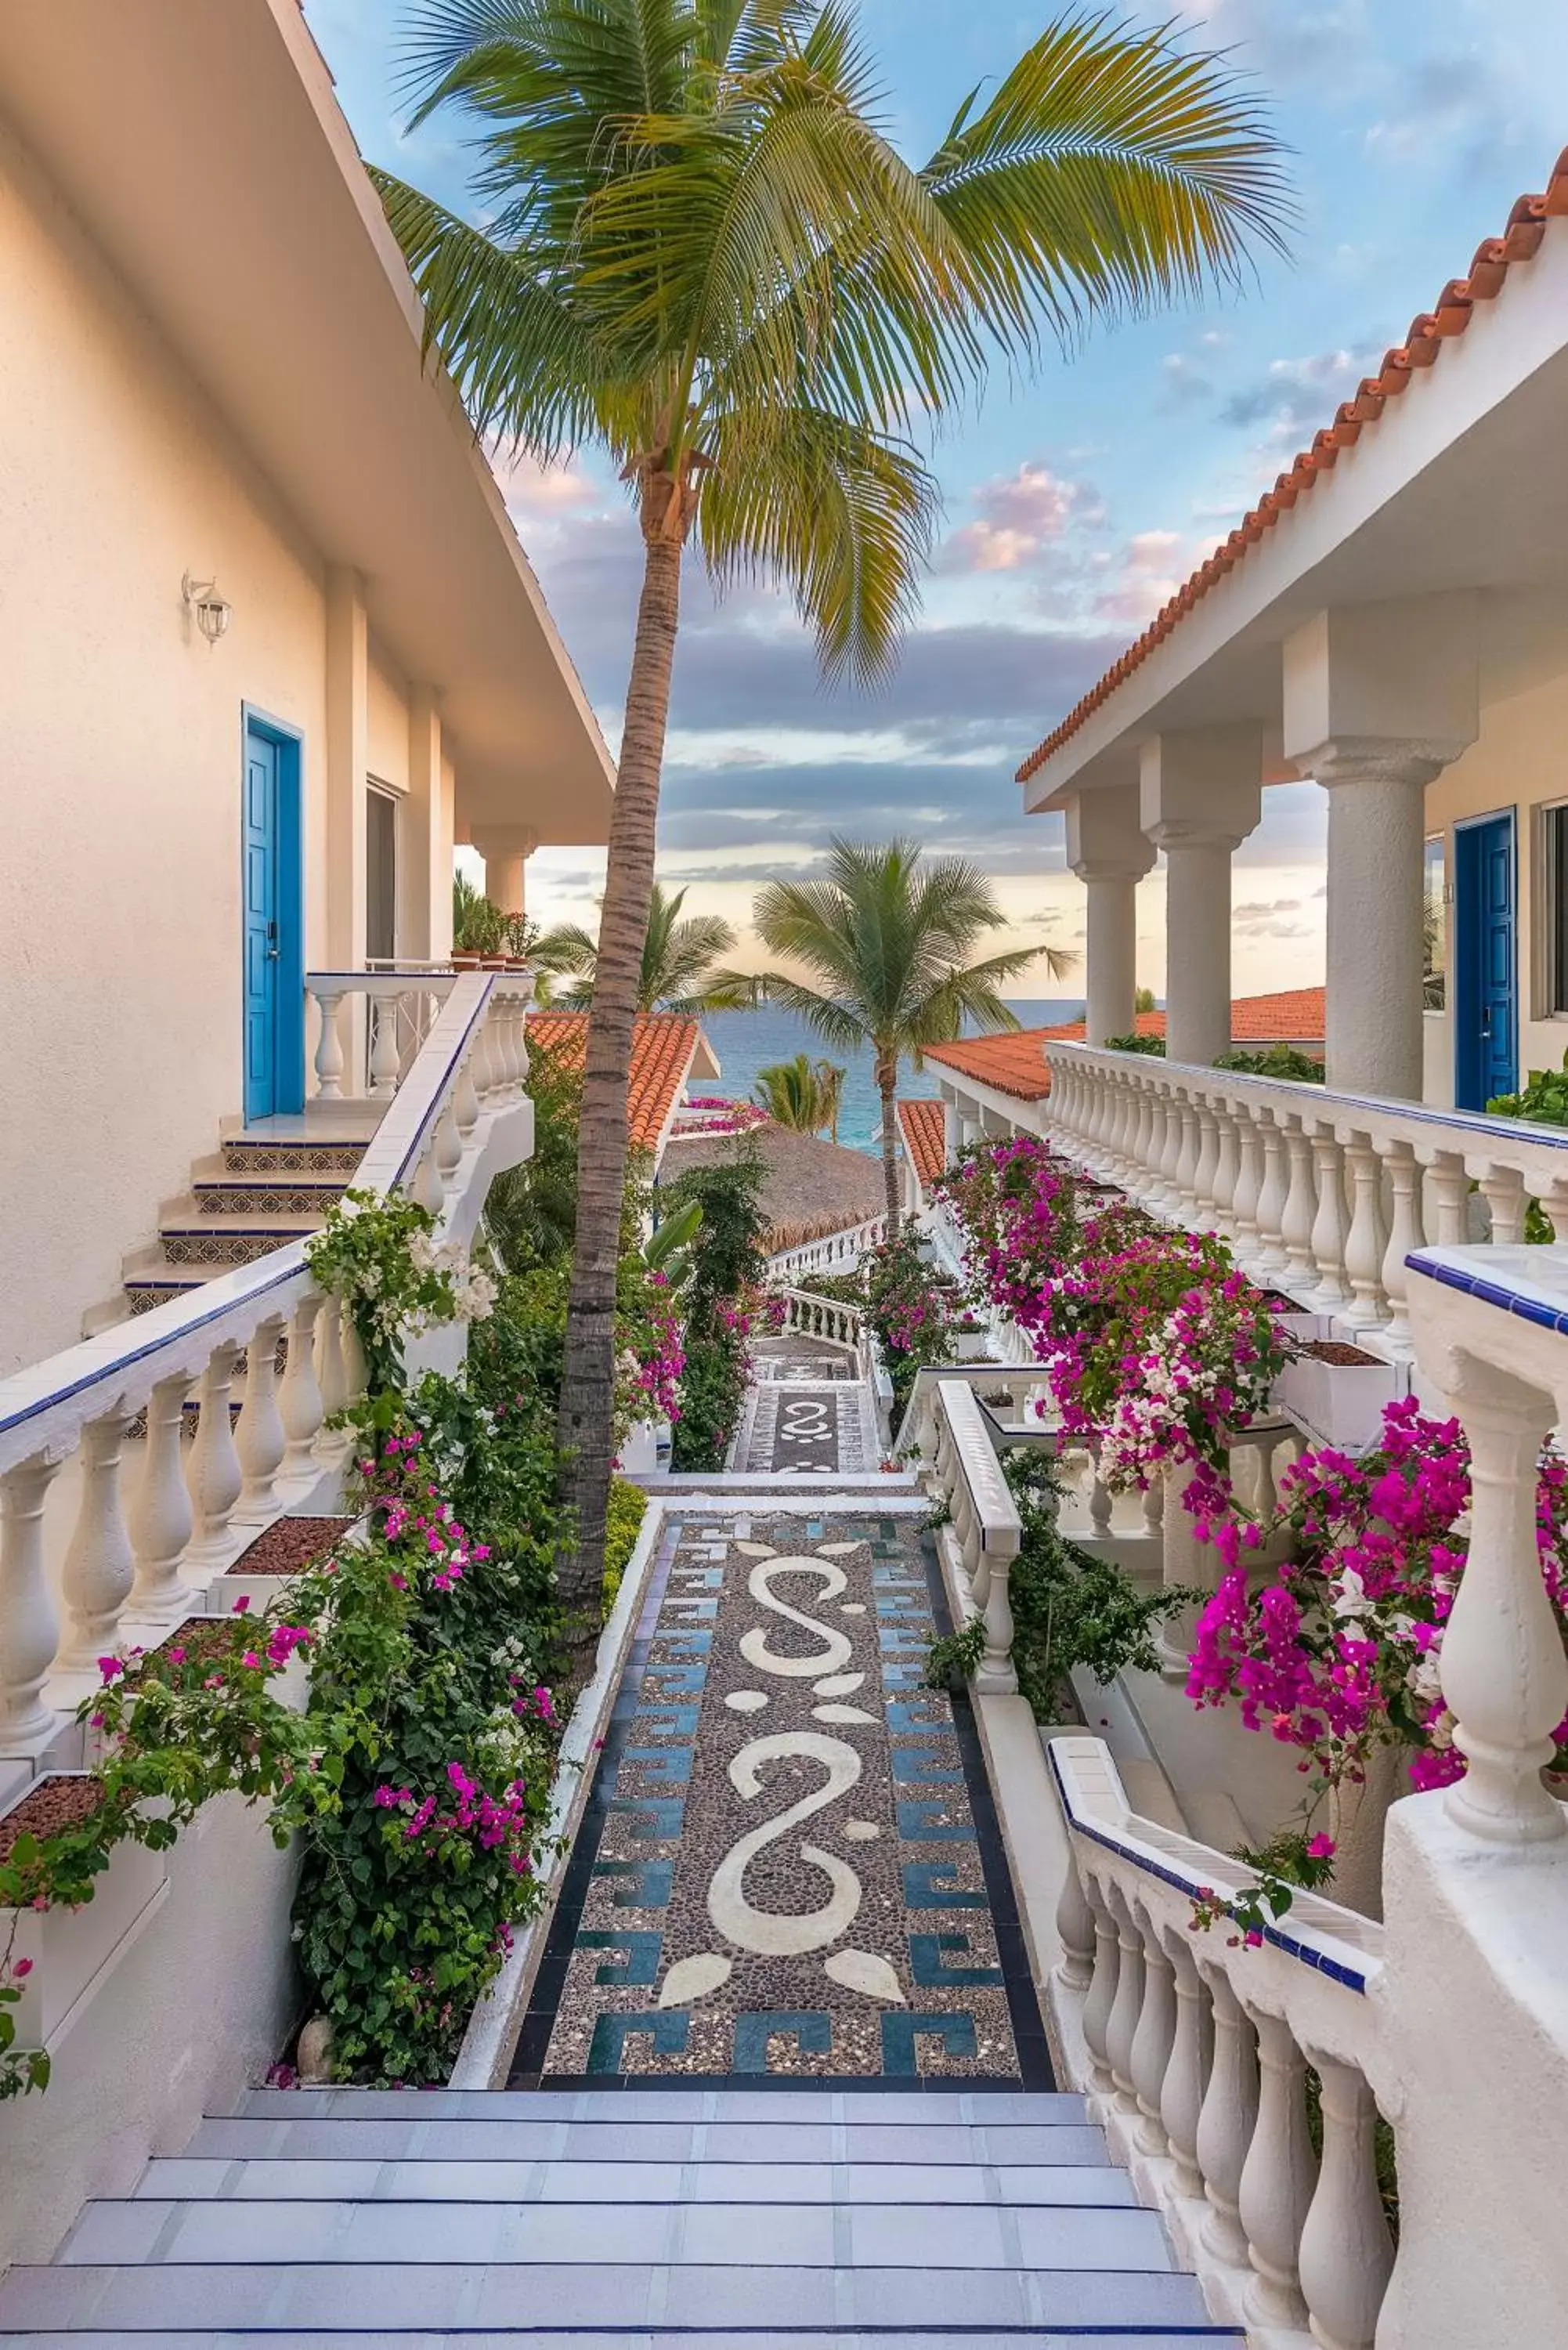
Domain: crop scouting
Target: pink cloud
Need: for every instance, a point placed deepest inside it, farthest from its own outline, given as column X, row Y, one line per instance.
column 1019, row 516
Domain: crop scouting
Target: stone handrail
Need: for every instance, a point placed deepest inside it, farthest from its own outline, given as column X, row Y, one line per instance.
column 1323, row 1195
column 983, row 1536
column 833, row 1252
column 1193, row 2047
column 128, row 1571
column 401, row 1003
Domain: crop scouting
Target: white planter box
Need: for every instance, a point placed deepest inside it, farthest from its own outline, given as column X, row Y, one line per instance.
column 1340, row 1404
column 970, row 1346
column 74, row 1951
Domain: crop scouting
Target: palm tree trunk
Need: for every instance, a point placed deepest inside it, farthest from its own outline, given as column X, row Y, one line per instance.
column 587, row 1386
column 888, row 1082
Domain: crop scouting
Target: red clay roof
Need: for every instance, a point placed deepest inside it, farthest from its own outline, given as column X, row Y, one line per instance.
column 1010, row 1062
column 1455, row 308
column 660, row 1057
column 924, row 1124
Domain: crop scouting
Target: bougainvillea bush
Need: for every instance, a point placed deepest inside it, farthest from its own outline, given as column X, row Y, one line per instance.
column 1340, row 1652
column 912, row 1311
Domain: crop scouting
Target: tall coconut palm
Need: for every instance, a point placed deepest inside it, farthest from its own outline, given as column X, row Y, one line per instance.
column 679, row 957
column 889, row 938
column 705, row 256
column 802, row 1094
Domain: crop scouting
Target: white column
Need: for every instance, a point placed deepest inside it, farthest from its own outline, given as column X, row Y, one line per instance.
column 505, row 849
column 424, row 884
column 1200, row 795
column 1377, row 834
column 1377, row 699
column 348, row 763
column 1110, row 854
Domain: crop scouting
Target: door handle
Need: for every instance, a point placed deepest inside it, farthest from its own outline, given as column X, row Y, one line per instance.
column 274, row 951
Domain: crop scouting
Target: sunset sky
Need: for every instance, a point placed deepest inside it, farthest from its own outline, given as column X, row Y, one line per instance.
column 1074, row 505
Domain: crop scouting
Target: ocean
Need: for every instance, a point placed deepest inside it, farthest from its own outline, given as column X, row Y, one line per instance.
column 745, row 1042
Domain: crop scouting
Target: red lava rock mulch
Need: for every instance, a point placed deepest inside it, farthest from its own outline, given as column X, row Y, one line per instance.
column 290, row 1545
column 1334, row 1350
column 55, row 1803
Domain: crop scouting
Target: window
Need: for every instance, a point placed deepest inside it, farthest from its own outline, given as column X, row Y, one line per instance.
column 381, row 876
column 1435, row 928
column 1553, row 841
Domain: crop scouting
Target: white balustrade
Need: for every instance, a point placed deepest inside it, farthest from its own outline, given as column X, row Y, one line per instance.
column 127, row 1571
column 1323, row 1194
column 1196, row 2049
column 982, row 1539
column 400, row 1005
column 834, row 1252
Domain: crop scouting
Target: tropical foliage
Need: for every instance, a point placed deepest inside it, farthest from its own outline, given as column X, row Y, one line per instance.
column 803, row 1094
column 679, row 956
column 705, row 255
column 889, row 939
column 719, row 1300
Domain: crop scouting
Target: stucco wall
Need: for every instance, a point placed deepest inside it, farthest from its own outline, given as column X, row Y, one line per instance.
column 194, row 2010
column 120, row 784
column 1520, row 761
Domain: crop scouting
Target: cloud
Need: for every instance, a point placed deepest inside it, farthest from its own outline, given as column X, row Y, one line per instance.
column 1458, row 99
column 1020, row 516
column 1296, row 395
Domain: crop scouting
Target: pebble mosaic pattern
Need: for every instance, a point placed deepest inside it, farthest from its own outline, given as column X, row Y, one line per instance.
column 784, row 1871
column 789, row 1430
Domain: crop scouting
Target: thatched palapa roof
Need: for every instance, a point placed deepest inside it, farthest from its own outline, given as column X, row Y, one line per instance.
column 811, row 1187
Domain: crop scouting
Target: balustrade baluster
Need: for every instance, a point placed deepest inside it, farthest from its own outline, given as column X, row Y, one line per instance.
column 465, row 1097
column 332, row 1374
column 1250, row 1124
column 1451, row 1188
column 1206, row 1164
column 1122, row 2027
column 1100, row 1502
column 385, row 1057
column 299, row 1399
column 29, row 1624
column 428, row 1187
column 1142, row 1152
column 1502, row 1188
column 1167, row 1199
column 1329, row 1226
column 1346, row 2255
column 99, row 1570
column 1226, row 1167
column 329, row 1047
column 1279, row 2178
column 1405, row 1234
column 1502, row 1669
column 1181, row 2092
column 1074, row 1929
column 1154, row 1508
column 1186, row 1206
column 447, row 1152
column 1273, row 1193
column 160, row 1519
column 1299, row 1219
column 213, row 1475
column 1101, row 1996
column 261, row 1438
column 1227, row 2118
column 1155, row 2037
column 1365, row 1242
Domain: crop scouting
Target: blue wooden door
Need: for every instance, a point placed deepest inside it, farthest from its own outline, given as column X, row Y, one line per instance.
column 1485, row 1008
column 263, row 956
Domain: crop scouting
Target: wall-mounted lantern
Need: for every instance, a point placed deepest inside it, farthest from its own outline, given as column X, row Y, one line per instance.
column 213, row 613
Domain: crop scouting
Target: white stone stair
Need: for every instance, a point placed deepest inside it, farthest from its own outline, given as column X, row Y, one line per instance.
column 652, row 2221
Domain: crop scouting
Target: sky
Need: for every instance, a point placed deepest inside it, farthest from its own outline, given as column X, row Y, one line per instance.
column 1074, row 503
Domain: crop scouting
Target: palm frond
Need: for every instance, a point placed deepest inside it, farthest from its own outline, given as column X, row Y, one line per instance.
column 1113, row 168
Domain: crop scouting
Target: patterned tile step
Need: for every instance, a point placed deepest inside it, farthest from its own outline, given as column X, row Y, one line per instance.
column 217, row 1242
column 1063, row 2187
column 789, row 1866
column 270, row 1158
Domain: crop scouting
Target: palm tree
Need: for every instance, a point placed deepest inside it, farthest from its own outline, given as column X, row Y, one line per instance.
column 705, row 255
column 677, row 960
column 803, row 1094
column 889, row 938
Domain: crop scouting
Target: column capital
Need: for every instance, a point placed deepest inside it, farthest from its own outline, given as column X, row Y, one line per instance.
column 1187, row 832
column 1413, row 759
column 501, row 840
column 1115, row 868
column 1105, row 841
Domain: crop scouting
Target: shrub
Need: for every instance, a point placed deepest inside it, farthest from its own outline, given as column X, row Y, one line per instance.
column 628, row 1508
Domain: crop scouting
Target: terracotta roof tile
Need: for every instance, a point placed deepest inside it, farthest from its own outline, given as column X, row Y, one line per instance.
column 661, row 1053
column 1494, row 256
column 924, row 1125
column 1011, row 1062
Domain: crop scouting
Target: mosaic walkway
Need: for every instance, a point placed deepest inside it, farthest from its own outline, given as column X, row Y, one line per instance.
column 789, row 1868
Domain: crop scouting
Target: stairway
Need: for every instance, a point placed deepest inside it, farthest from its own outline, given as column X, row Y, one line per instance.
column 266, row 1186
column 661, row 2219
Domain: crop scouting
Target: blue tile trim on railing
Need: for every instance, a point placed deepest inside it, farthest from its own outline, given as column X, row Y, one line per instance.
column 1518, row 1301
column 1191, row 1886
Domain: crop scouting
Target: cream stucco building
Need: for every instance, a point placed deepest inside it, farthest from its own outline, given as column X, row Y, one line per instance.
column 211, row 372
